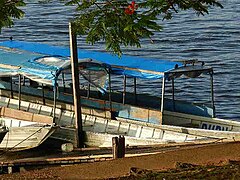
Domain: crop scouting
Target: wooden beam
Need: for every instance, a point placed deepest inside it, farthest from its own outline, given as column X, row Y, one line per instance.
column 76, row 88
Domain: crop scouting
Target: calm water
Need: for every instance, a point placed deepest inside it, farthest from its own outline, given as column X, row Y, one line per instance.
column 214, row 38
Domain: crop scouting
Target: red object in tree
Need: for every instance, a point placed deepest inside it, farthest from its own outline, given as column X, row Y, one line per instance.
column 131, row 8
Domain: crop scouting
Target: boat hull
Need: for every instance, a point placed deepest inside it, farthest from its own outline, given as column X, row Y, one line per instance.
column 25, row 129
column 100, row 128
column 22, row 138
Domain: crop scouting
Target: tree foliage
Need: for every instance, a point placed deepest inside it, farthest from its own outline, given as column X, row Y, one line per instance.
column 9, row 9
column 123, row 23
column 116, row 22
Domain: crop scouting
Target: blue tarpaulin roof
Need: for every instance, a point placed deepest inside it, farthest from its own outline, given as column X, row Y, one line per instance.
column 127, row 65
column 27, row 58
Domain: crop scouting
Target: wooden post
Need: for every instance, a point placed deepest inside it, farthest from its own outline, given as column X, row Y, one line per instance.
column 115, row 147
column 76, row 88
column 118, row 147
column 121, row 150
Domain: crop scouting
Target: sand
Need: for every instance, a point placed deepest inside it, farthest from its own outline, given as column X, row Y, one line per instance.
column 217, row 154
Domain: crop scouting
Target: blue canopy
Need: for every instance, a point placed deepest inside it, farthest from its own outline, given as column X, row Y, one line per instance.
column 126, row 65
column 43, row 63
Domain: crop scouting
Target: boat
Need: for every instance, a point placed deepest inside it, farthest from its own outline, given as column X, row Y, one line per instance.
column 25, row 130
column 142, row 118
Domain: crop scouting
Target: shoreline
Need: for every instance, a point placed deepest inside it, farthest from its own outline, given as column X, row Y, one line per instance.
column 214, row 154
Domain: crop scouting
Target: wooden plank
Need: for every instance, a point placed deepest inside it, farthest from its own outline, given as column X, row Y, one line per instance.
column 42, row 118
column 16, row 114
column 26, row 116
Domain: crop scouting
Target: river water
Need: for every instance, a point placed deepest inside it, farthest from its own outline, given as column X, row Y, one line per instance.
column 213, row 38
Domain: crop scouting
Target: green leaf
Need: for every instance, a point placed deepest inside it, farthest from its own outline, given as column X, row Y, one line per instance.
column 107, row 20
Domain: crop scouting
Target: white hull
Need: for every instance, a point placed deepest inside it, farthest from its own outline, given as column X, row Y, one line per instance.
column 21, row 138
column 100, row 129
column 99, row 132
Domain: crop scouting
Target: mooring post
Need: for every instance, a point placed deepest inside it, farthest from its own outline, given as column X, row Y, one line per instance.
column 115, row 147
column 121, row 150
column 76, row 88
column 118, row 147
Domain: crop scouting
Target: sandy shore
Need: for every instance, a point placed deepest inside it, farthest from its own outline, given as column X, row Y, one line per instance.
column 217, row 154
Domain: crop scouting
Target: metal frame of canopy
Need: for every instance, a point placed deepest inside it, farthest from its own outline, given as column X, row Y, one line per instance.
column 9, row 75
column 191, row 69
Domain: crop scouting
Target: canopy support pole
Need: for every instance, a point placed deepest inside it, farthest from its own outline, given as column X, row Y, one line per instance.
column 76, row 87
column 212, row 94
column 89, row 89
column 124, row 88
column 54, row 100
column 11, row 87
column 163, row 93
column 43, row 96
column 135, row 89
column 19, row 92
column 173, row 94
column 89, row 86
column 63, row 81
column 110, row 91
column 24, row 80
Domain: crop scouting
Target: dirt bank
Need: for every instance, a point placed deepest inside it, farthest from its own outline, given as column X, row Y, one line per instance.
column 217, row 154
